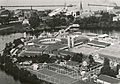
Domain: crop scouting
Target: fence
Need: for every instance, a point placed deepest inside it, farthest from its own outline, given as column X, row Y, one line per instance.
column 63, row 70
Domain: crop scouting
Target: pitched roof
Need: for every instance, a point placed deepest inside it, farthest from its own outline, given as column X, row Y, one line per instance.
column 98, row 43
column 109, row 79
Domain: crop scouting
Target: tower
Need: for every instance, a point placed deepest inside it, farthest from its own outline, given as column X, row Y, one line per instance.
column 65, row 7
column 69, row 43
column 24, row 35
column 81, row 7
column 72, row 39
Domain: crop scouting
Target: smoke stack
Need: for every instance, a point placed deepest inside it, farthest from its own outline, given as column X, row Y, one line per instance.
column 69, row 42
column 24, row 35
column 81, row 7
column 72, row 41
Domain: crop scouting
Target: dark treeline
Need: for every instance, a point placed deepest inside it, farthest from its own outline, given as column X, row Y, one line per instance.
column 39, row 23
column 103, row 21
column 107, row 70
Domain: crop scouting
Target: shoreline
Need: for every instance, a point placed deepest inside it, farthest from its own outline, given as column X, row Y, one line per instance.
column 19, row 74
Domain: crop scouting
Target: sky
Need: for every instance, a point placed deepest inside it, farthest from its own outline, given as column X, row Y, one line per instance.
column 55, row 2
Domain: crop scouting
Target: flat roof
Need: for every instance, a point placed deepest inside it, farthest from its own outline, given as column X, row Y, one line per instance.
column 98, row 43
column 85, row 49
column 112, row 51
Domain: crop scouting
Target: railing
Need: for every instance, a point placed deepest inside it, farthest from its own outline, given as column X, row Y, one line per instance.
column 47, row 77
column 72, row 74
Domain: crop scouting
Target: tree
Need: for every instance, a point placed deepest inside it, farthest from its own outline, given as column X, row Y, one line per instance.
column 34, row 20
column 77, row 57
column 17, row 42
column 106, row 69
column 70, row 18
column 67, row 57
column 44, row 58
column 53, row 21
column 91, row 60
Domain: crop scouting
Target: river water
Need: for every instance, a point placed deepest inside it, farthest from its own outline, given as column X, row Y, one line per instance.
column 6, row 79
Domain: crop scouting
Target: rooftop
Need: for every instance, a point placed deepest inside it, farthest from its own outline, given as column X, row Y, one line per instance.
column 85, row 49
column 112, row 51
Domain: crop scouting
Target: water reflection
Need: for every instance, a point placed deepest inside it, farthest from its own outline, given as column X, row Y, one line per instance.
column 7, row 79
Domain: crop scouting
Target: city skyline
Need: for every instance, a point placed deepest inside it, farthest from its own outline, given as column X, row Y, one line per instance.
column 60, row 2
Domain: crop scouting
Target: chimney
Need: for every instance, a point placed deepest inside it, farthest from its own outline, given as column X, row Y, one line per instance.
column 72, row 39
column 69, row 43
column 81, row 7
column 24, row 35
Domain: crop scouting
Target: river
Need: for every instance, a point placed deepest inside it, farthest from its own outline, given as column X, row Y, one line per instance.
column 6, row 79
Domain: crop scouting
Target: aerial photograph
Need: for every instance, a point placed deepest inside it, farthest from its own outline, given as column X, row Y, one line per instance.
column 59, row 41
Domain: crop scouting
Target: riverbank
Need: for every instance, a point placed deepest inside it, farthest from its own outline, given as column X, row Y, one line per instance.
column 8, row 66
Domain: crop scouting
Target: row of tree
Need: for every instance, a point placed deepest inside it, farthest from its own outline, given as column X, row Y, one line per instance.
column 52, row 22
column 103, row 20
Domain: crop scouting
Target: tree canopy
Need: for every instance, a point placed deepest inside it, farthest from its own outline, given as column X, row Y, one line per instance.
column 106, row 69
column 34, row 20
column 77, row 57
